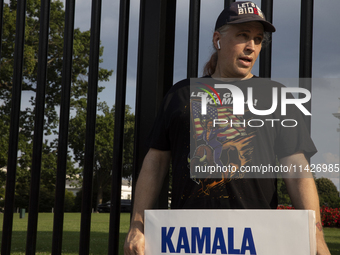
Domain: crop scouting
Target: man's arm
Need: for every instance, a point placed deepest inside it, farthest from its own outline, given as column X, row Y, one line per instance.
column 149, row 184
column 304, row 195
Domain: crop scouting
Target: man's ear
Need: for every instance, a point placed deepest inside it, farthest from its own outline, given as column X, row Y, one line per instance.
column 216, row 40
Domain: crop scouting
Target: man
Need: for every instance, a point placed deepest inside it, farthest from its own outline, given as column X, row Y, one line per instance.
column 239, row 33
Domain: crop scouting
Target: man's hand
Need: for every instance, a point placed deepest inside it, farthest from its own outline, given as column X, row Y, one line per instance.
column 150, row 181
column 321, row 245
column 304, row 195
column 135, row 242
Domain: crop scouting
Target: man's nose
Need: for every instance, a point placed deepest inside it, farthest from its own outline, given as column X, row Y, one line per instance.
column 250, row 46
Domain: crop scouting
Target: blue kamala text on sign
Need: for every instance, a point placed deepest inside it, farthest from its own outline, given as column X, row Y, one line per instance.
column 200, row 240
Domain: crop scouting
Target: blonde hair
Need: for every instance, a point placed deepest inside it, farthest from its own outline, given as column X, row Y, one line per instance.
column 210, row 66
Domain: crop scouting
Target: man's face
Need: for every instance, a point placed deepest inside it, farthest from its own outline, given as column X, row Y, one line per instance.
column 240, row 47
column 209, row 125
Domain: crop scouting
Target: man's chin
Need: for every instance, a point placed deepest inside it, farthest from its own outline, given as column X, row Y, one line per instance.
column 244, row 74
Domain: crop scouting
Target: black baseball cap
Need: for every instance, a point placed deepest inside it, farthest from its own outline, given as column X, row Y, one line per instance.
column 241, row 12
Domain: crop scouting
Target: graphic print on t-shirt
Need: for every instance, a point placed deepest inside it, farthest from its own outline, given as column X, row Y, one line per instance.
column 224, row 146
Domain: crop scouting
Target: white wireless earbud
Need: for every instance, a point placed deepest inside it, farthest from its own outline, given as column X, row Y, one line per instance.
column 218, row 44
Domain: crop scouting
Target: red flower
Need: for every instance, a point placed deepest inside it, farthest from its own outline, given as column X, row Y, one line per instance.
column 329, row 217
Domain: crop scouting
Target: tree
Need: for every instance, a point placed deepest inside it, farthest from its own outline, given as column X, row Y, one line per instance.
column 103, row 157
column 282, row 193
column 69, row 201
column 4, row 134
column 55, row 61
column 328, row 193
column 53, row 88
column 55, row 53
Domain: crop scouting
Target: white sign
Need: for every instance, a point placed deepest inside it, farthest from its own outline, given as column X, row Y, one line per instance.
column 263, row 232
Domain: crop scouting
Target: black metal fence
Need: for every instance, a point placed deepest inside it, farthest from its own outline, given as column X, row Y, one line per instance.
column 154, row 75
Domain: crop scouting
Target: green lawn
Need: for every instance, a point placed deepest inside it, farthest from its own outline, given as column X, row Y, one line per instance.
column 332, row 236
column 99, row 234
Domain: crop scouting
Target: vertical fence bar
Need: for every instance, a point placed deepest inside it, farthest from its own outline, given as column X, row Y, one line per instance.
column 1, row 22
column 38, row 128
column 194, row 34
column 228, row 2
column 167, row 49
column 63, row 128
column 116, row 181
column 84, row 244
column 266, row 52
column 14, row 128
column 155, row 70
column 306, row 51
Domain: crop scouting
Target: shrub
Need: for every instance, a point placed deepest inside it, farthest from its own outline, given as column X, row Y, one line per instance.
column 330, row 217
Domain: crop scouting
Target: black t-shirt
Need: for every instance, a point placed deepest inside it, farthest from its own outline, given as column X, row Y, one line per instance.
column 253, row 146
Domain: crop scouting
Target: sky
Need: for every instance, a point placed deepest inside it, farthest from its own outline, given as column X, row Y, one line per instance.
column 285, row 57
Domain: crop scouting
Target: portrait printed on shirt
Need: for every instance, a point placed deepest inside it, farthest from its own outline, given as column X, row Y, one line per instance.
column 220, row 142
